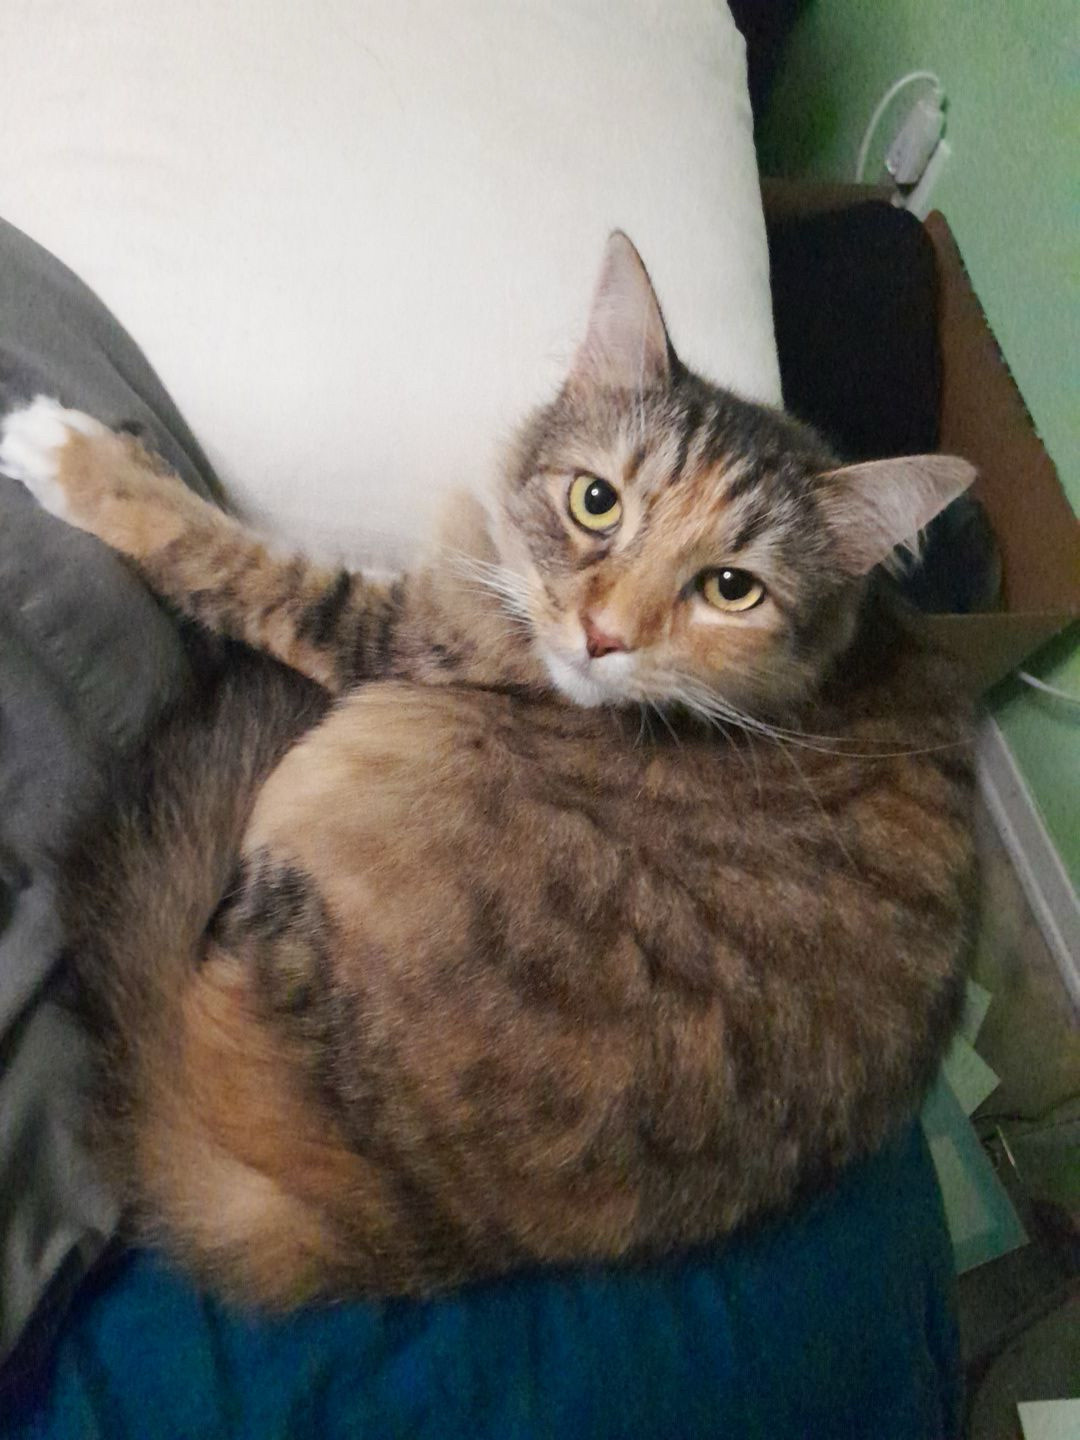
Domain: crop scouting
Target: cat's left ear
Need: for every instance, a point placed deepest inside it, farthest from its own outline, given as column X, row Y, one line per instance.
column 626, row 346
column 873, row 507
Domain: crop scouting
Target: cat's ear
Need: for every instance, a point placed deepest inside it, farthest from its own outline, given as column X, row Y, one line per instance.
column 873, row 507
column 626, row 346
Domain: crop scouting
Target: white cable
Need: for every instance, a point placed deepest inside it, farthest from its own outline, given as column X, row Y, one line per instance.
column 1048, row 689
column 883, row 105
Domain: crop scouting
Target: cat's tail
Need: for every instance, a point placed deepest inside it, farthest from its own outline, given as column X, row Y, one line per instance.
column 144, row 881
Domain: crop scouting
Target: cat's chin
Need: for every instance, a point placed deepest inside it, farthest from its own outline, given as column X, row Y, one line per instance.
column 590, row 683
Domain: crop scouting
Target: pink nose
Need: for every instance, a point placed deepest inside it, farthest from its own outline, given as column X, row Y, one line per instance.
column 599, row 642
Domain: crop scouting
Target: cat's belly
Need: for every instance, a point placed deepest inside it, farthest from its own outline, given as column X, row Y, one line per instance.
column 408, row 799
column 593, row 967
column 459, row 939
column 473, row 844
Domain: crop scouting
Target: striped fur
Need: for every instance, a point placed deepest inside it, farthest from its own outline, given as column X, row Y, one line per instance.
column 457, row 975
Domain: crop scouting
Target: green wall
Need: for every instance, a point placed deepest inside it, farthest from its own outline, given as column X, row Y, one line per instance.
column 1011, row 192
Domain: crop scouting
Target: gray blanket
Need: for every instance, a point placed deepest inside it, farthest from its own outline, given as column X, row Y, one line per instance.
column 86, row 659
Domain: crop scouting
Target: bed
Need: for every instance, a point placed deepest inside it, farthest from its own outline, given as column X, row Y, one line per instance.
column 834, row 1323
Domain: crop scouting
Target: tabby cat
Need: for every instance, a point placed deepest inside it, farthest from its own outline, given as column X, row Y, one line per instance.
column 613, row 894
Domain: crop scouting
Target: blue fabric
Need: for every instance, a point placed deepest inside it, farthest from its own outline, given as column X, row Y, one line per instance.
column 836, row 1323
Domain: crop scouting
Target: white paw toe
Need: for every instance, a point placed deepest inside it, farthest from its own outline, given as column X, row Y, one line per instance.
column 30, row 443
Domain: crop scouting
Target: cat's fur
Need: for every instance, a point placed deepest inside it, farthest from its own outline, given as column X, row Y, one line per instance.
column 470, row 977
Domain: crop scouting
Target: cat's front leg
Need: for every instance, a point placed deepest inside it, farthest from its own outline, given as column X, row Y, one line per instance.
column 332, row 626
column 95, row 479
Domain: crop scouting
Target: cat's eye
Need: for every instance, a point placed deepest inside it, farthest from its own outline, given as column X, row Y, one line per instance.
column 731, row 590
column 594, row 504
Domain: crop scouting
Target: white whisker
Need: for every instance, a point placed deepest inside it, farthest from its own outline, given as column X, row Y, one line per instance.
column 706, row 703
column 804, row 780
column 644, row 714
column 507, row 586
column 666, row 722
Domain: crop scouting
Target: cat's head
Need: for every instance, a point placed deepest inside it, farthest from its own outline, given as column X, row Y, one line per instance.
column 664, row 541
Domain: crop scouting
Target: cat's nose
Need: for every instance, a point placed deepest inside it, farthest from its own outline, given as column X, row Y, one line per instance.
column 600, row 642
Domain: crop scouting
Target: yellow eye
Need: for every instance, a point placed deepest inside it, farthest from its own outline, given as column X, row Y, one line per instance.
column 731, row 590
column 594, row 504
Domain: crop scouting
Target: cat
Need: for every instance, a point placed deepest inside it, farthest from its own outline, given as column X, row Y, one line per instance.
column 603, row 886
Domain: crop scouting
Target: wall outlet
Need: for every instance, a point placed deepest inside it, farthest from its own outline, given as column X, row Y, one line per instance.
column 918, row 201
column 916, row 140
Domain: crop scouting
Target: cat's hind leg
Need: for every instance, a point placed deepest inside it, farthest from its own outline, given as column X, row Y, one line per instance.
column 331, row 625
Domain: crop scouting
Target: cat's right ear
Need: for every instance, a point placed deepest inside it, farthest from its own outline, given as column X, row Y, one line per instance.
column 626, row 345
column 879, row 504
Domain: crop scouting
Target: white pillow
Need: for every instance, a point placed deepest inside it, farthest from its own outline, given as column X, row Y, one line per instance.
column 357, row 238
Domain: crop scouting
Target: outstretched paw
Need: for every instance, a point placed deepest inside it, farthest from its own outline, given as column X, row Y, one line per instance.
column 31, row 442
